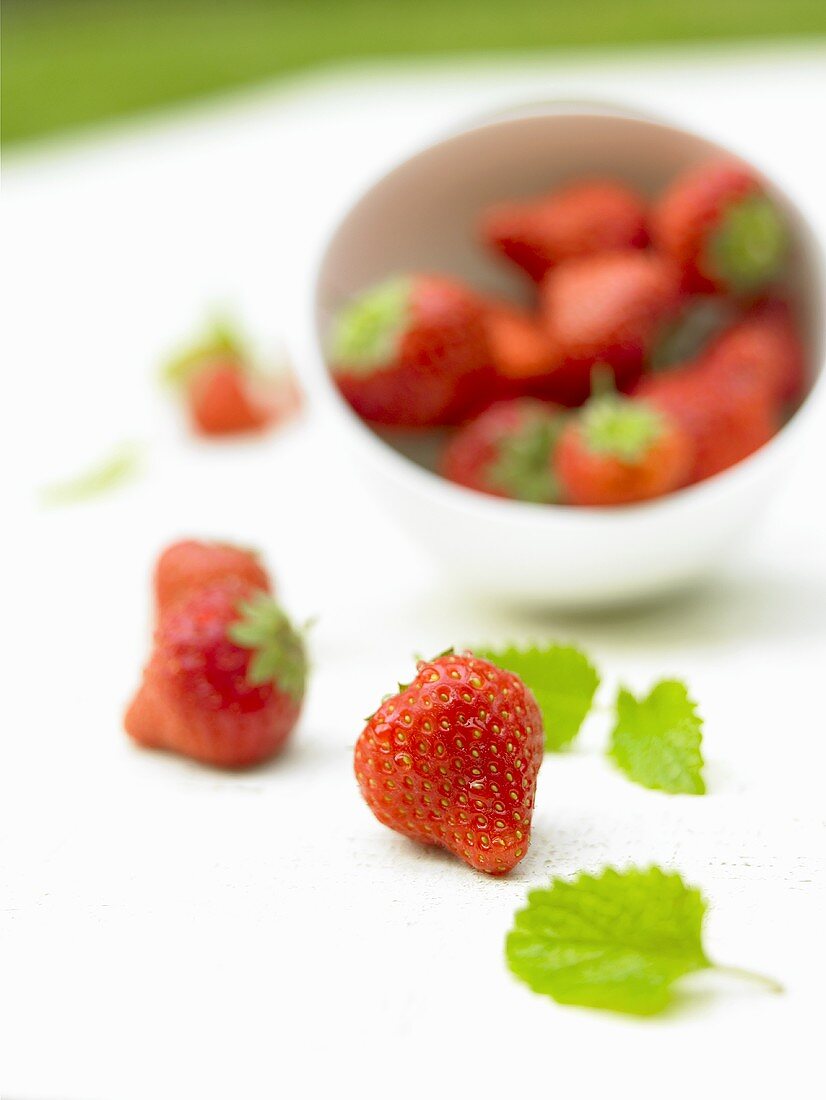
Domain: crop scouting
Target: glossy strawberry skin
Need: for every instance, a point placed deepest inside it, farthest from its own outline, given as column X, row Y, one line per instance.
column 441, row 362
column 473, row 457
column 726, row 415
column 196, row 697
column 765, row 345
column 691, row 210
column 599, row 480
column 579, row 220
column 190, row 564
column 452, row 761
column 222, row 401
column 606, row 310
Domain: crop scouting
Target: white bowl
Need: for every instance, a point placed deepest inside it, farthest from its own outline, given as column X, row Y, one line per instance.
column 422, row 216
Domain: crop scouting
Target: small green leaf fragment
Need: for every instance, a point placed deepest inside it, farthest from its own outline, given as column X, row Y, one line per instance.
column 657, row 740
column 119, row 468
column 614, row 941
column 563, row 681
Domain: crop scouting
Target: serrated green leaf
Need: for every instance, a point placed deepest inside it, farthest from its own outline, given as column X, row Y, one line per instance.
column 657, row 740
column 121, row 466
column 563, row 681
column 278, row 655
column 616, row 941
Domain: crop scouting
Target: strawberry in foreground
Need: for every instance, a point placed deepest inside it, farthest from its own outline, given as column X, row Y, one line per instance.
column 621, row 451
column 226, row 678
column 726, row 414
column 452, row 761
column 719, row 226
column 412, row 351
column 508, row 451
column 606, row 309
column 188, row 565
column 579, row 220
column 224, row 393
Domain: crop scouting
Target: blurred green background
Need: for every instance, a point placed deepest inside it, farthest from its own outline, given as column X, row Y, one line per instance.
column 67, row 63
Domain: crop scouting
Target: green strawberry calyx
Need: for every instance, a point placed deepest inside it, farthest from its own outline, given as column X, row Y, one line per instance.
column 522, row 469
column 749, row 245
column 278, row 653
column 219, row 341
column 367, row 331
column 619, row 428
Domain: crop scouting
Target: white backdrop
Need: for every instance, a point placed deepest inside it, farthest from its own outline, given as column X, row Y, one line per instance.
column 175, row 932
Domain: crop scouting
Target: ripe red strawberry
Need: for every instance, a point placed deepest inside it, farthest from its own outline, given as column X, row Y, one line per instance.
column 766, row 344
column 579, row 220
column 188, row 565
column 607, row 309
column 452, row 761
column 726, row 415
column 222, row 400
column 411, row 352
column 721, row 229
column 521, row 350
column 223, row 392
column 226, row 678
column 508, row 451
column 620, row 451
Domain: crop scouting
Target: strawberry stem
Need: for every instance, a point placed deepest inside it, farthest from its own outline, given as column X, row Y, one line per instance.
column 750, row 976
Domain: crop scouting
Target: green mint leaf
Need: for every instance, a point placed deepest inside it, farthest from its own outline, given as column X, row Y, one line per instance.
column 278, row 648
column 656, row 741
column 220, row 340
column 120, row 467
column 616, row 941
column 562, row 680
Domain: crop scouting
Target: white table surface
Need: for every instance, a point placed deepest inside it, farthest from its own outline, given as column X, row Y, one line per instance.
column 174, row 932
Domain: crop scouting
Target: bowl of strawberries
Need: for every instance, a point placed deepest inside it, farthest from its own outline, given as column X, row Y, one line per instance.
column 573, row 348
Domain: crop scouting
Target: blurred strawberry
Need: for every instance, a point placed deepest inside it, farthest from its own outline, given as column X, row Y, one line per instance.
column 508, row 451
column 578, row 220
column 222, row 401
column 621, row 451
column 522, row 352
column 226, row 679
column 765, row 344
column 719, row 226
column 224, row 393
column 411, row 352
column 190, row 564
column 727, row 415
column 607, row 309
